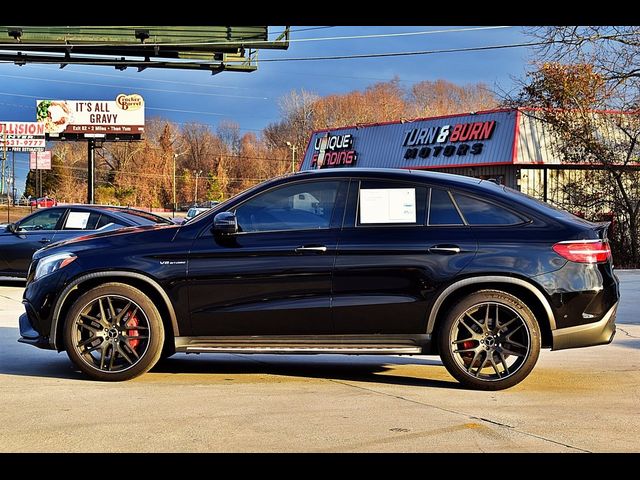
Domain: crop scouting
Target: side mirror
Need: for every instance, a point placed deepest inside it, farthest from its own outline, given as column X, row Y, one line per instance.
column 12, row 228
column 225, row 223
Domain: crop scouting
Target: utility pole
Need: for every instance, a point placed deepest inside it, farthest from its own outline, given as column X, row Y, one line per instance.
column 175, row 156
column 13, row 176
column 4, row 158
column 293, row 155
column 197, row 173
column 91, row 163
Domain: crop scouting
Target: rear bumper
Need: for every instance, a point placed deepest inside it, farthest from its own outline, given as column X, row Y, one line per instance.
column 597, row 333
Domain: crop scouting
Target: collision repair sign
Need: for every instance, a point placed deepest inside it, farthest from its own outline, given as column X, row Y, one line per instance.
column 22, row 136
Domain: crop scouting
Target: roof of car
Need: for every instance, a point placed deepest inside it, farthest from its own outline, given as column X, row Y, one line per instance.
column 387, row 172
column 115, row 209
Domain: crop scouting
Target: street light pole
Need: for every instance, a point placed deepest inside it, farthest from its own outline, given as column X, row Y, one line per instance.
column 293, row 155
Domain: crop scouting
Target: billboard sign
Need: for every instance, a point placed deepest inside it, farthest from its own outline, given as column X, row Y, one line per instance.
column 40, row 160
column 22, row 136
column 124, row 115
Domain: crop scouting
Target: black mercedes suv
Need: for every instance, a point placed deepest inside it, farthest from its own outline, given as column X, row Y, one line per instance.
column 345, row 261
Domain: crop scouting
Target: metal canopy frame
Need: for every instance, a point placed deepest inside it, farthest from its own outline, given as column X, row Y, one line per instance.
column 211, row 48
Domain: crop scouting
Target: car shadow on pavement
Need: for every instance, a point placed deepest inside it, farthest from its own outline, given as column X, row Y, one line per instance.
column 12, row 282
column 370, row 368
column 25, row 360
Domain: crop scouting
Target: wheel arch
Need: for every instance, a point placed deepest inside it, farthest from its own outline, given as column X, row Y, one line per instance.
column 518, row 287
column 86, row 282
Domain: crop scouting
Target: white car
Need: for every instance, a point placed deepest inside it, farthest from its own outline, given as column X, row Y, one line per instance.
column 194, row 211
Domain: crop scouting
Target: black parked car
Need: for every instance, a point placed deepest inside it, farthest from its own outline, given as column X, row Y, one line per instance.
column 346, row 261
column 18, row 241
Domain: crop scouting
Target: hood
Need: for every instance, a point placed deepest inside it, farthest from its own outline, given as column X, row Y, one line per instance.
column 111, row 238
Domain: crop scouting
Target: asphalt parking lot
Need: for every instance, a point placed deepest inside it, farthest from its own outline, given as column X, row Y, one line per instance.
column 574, row 401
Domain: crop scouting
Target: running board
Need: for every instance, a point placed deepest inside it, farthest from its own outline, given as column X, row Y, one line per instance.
column 349, row 345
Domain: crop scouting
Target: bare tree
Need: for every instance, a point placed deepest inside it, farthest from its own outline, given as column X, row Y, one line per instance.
column 596, row 68
column 442, row 97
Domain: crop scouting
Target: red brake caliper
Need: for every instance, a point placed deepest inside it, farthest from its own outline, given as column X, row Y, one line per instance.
column 468, row 344
column 467, row 356
column 133, row 322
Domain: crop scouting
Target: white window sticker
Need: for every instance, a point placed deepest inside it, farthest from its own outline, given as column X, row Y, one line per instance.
column 388, row 205
column 77, row 220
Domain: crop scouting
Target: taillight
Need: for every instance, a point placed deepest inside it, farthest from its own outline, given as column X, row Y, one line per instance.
column 584, row 251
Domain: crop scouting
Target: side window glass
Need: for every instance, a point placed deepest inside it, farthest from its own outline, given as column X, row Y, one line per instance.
column 106, row 223
column 442, row 211
column 479, row 212
column 300, row 206
column 391, row 203
column 45, row 220
column 80, row 220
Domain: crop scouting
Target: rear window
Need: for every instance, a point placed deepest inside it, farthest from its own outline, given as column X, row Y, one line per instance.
column 479, row 212
column 144, row 218
column 543, row 207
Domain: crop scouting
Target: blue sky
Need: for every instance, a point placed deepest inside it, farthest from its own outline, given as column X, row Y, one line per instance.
column 252, row 99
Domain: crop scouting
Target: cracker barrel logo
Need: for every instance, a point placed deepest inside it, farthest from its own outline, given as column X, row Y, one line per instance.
column 129, row 102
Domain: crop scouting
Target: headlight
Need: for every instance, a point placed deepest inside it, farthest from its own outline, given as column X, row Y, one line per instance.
column 50, row 264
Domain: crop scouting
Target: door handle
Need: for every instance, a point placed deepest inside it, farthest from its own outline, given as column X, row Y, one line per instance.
column 445, row 250
column 45, row 240
column 318, row 249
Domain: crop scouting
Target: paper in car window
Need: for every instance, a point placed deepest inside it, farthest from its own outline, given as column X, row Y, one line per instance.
column 77, row 220
column 388, row 205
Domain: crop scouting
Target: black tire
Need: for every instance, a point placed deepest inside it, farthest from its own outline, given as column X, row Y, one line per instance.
column 114, row 332
column 483, row 353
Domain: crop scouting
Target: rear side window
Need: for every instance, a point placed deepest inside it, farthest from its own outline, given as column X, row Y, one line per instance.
column 442, row 211
column 81, row 220
column 479, row 212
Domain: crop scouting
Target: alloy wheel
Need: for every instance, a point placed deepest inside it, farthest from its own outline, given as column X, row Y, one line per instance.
column 111, row 333
column 490, row 341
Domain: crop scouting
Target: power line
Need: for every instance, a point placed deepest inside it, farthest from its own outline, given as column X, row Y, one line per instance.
column 31, row 107
column 333, row 57
column 296, row 30
column 198, row 112
column 399, row 34
column 406, row 54
column 445, row 50
column 213, row 125
column 137, row 88
column 256, row 44
column 124, row 76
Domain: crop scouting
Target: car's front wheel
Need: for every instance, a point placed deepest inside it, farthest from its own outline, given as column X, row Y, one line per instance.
column 490, row 340
column 114, row 332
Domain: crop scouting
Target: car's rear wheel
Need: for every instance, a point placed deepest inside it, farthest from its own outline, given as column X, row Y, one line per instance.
column 114, row 332
column 490, row 340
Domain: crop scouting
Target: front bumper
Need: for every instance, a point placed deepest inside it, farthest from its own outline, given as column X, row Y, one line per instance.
column 29, row 335
column 597, row 333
